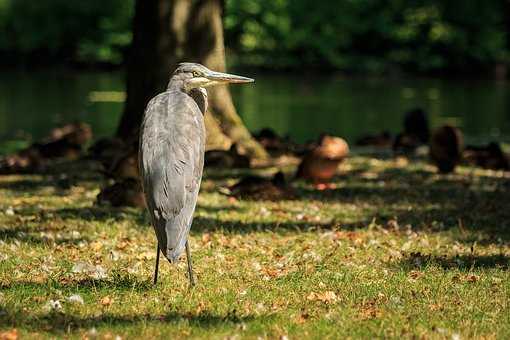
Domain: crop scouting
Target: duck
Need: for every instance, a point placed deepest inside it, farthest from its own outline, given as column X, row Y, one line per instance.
column 263, row 188
column 446, row 145
column 226, row 158
column 106, row 150
column 60, row 148
column 28, row 160
column 127, row 192
column 124, row 166
column 320, row 164
column 416, row 132
column 416, row 123
column 63, row 142
column 273, row 143
column 489, row 156
column 76, row 133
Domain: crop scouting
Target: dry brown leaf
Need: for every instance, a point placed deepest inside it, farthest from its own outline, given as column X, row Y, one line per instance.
column 435, row 307
column 302, row 318
column 200, row 307
column 369, row 312
column 96, row 246
column 9, row 335
column 472, row 278
column 415, row 274
column 325, row 297
column 206, row 238
column 106, row 301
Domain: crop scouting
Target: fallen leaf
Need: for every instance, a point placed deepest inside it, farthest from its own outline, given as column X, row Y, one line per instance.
column 106, row 301
column 302, row 318
column 97, row 272
column 53, row 305
column 472, row 278
column 9, row 211
column 76, row 299
column 9, row 335
column 415, row 274
column 325, row 297
column 435, row 307
column 206, row 238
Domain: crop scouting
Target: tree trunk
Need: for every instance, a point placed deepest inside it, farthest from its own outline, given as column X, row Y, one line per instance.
column 205, row 45
column 164, row 33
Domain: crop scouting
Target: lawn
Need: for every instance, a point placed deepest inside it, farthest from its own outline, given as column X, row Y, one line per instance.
column 394, row 250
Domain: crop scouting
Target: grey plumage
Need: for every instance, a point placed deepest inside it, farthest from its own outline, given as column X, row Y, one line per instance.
column 171, row 156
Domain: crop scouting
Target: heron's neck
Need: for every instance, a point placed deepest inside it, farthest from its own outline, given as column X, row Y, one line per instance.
column 199, row 95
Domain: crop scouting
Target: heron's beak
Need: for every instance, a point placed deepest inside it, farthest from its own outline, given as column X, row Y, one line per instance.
column 220, row 77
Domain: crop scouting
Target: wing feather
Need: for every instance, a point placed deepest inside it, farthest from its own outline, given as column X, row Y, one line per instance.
column 170, row 162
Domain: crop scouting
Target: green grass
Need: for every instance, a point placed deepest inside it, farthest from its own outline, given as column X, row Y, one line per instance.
column 392, row 252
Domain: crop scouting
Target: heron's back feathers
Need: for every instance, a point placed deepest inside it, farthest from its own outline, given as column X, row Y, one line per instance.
column 172, row 139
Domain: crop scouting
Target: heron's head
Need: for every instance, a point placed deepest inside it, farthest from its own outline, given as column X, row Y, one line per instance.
column 196, row 75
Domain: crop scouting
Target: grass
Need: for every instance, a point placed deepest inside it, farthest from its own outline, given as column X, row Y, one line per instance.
column 393, row 251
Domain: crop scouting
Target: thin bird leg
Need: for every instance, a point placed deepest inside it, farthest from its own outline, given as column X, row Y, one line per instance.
column 190, row 267
column 157, row 266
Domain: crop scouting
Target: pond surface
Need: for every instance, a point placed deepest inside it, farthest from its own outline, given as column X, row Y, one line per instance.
column 299, row 107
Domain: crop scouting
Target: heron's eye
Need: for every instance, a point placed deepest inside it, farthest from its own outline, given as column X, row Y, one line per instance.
column 196, row 74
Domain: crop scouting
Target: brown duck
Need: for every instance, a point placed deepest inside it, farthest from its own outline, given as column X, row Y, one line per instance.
column 125, row 166
column 320, row 164
column 25, row 161
column 446, row 147
column 416, row 132
column 127, row 192
column 262, row 188
column 490, row 156
column 226, row 158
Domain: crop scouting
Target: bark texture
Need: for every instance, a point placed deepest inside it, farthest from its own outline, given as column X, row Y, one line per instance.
column 166, row 33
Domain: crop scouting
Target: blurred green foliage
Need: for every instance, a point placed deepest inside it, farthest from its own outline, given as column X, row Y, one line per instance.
column 368, row 35
column 350, row 35
column 64, row 31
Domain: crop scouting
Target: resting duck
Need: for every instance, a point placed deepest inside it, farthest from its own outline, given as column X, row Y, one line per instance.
column 226, row 158
column 320, row 164
column 76, row 133
column 256, row 187
column 127, row 192
column 416, row 132
column 490, row 156
column 446, row 147
column 273, row 143
column 25, row 161
column 125, row 166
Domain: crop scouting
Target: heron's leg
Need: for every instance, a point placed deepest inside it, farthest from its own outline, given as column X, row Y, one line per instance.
column 190, row 267
column 157, row 266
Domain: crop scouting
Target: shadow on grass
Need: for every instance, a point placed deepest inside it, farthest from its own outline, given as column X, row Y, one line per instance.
column 61, row 175
column 34, row 236
column 411, row 195
column 115, row 282
column 101, row 213
column 427, row 200
column 57, row 322
column 93, row 213
column 60, row 323
column 464, row 262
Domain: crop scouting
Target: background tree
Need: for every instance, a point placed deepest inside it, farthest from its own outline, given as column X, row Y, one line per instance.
column 165, row 33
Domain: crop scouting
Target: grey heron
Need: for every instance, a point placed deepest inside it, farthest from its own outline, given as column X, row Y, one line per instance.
column 171, row 156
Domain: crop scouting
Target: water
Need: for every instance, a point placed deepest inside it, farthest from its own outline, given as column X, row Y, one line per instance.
column 299, row 107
